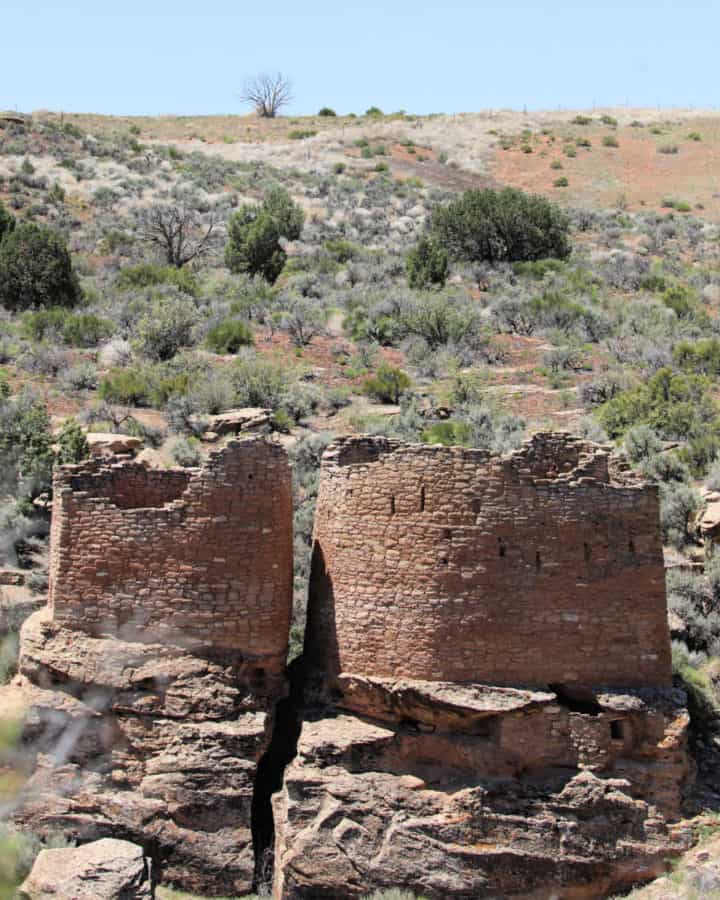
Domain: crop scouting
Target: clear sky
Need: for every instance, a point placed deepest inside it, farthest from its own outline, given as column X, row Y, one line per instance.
column 154, row 57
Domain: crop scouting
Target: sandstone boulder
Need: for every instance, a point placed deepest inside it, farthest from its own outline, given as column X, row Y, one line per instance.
column 233, row 421
column 107, row 869
column 709, row 520
column 102, row 444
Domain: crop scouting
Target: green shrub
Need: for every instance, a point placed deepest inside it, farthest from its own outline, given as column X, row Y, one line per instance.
column 229, row 336
column 130, row 387
column 167, row 325
column 678, row 406
column 72, row 444
column 561, row 181
column 342, row 251
column 75, row 329
column 683, row 301
column 254, row 234
column 427, row 264
column 610, row 141
column 669, row 149
column 700, row 357
column 582, row 120
column 36, row 269
column 26, row 455
column 327, row 111
column 441, row 319
column 674, row 404
column 641, row 442
column 703, row 703
column 165, row 385
column 387, row 385
column 449, row 433
column 678, row 504
column 694, row 136
column 86, row 330
column 492, row 226
column 146, row 275
column 259, row 380
column 37, row 326
column 609, row 120
column 9, row 652
column 299, row 134
column 537, row 269
column 569, row 151
column 556, row 164
column 7, row 221
column 374, row 112
column 186, row 452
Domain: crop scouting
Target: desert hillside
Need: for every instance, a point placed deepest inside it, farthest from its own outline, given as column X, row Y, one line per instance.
column 475, row 281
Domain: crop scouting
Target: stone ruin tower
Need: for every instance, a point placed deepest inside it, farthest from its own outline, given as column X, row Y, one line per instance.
column 200, row 558
column 459, row 565
column 490, row 704
column 153, row 675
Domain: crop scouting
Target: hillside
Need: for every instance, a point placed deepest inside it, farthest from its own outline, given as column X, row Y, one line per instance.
column 616, row 340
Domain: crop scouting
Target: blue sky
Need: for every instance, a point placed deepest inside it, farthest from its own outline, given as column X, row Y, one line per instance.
column 159, row 57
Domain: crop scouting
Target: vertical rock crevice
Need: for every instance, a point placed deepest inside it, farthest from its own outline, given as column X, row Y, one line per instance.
column 270, row 772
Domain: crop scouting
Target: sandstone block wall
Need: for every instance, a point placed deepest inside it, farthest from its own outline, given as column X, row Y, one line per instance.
column 458, row 565
column 200, row 558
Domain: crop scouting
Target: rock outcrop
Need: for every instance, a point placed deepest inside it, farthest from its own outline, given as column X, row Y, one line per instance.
column 102, row 870
column 110, row 444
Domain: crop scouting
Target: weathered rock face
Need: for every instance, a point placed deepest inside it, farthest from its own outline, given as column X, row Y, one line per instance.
column 143, row 741
column 149, row 683
column 464, row 791
column 417, row 766
column 102, row 870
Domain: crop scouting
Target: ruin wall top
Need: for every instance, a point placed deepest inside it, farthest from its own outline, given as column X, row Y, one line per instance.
column 544, row 566
column 195, row 557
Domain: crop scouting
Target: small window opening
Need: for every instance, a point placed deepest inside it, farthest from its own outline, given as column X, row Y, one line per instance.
column 392, row 505
column 617, row 730
column 587, row 551
column 501, row 547
column 631, row 547
column 538, row 561
column 422, row 499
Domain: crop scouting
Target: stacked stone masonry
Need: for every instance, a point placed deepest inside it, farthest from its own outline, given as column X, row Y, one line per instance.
column 199, row 558
column 449, row 564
